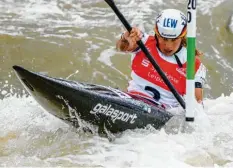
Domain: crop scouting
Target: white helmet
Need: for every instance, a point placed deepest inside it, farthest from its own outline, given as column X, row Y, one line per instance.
column 171, row 23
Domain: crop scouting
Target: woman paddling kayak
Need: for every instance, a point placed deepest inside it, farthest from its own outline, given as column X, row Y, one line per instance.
column 168, row 48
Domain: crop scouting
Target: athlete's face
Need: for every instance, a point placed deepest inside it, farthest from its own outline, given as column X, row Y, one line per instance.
column 168, row 46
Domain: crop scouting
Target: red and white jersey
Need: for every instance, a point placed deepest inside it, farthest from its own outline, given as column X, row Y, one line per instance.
column 144, row 75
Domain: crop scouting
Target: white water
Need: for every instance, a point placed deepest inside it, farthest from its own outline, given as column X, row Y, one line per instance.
column 43, row 16
column 231, row 24
column 42, row 140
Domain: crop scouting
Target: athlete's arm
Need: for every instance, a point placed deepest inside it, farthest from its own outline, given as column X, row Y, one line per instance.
column 128, row 41
column 199, row 94
column 199, row 82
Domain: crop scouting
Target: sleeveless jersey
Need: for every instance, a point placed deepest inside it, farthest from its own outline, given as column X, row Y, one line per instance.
column 146, row 81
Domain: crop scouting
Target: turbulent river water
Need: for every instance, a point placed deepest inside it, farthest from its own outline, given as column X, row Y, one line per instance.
column 75, row 39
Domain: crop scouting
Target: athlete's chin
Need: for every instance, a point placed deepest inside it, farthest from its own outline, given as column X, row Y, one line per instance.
column 166, row 53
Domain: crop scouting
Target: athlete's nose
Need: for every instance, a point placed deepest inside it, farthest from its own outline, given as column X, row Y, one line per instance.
column 168, row 45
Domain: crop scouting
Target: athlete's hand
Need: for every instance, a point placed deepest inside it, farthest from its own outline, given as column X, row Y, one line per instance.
column 134, row 35
column 132, row 38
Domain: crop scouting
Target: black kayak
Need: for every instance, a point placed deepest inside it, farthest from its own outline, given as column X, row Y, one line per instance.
column 98, row 105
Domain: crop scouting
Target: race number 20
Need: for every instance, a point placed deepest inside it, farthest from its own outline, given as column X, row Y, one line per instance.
column 191, row 6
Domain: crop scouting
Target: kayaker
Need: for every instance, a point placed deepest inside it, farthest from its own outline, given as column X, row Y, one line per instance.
column 168, row 48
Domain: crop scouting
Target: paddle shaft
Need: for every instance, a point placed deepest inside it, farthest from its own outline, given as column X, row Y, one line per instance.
column 146, row 52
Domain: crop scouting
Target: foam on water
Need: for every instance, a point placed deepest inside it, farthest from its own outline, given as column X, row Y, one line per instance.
column 207, row 6
column 231, row 23
column 53, row 14
column 221, row 61
column 43, row 140
column 23, row 112
column 105, row 58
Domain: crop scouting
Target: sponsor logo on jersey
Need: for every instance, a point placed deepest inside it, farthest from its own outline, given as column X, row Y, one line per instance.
column 145, row 62
column 181, row 71
column 115, row 114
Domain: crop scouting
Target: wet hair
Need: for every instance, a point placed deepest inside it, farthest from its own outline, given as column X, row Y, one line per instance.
column 198, row 53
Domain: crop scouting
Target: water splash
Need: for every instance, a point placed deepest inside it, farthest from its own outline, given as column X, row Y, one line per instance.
column 47, row 141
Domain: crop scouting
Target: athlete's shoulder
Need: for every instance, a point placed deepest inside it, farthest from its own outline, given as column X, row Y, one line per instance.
column 200, row 75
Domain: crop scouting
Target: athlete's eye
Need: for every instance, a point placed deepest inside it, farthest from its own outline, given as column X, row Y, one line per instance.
column 175, row 39
column 165, row 39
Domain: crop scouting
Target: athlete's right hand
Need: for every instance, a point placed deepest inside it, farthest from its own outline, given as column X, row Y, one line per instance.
column 128, row 41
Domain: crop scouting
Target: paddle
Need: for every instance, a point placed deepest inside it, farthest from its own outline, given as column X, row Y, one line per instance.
column 146, row 52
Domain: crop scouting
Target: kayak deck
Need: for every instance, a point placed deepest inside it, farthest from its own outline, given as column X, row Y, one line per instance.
column 99, row 105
